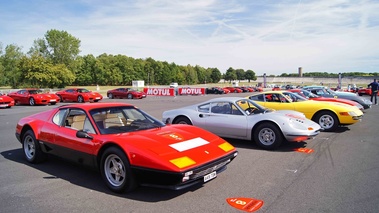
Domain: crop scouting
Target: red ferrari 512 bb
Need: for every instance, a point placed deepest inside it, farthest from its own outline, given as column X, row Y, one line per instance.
column 127, row 146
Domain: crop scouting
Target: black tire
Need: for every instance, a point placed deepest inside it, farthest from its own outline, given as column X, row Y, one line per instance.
column 182, row 120
column 129, row 96
column 118, row 178
column 360, row 94
column 268, row 136
column 60, row 98
column 53, row 103
column 327, row 120
column 110, row 96
column 32, row 102
column 31, row 148
column 80, row 99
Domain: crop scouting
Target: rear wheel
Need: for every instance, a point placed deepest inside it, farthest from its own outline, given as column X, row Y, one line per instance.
column 32, row 102
column 327, row 120
column 129, row 96
column 60, row 98
column 182, row 120
column 268, row 136
column 32, row 149
column 116, row 172
column 110, row 96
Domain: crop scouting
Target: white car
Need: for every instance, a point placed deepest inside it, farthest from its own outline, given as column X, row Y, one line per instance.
column 241, row 118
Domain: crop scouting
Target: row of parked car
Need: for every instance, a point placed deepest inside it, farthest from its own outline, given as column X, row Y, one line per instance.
column 226, row 90
column 40, row 97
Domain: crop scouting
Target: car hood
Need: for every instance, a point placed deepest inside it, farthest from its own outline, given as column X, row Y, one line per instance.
column 160, row 146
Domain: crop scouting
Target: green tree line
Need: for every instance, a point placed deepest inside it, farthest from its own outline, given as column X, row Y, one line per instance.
column 54, row 62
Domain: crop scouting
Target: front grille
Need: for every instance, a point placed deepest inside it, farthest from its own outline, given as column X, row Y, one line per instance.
column 208, row 170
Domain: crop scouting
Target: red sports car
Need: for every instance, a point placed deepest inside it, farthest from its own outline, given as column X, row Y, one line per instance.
column 128, row 93
column 6, row 101
column 234, row 89
column 127, row 146
column 307, row 94
column 79, row 95
column 365, row 91
column 34, row 97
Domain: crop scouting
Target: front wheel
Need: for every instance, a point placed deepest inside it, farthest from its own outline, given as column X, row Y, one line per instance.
column 129, row 96
column 110, row 96
column 327, row 120
column 116, row 172
column 183, row 120
column 32, row 149
column 80, row 99
column 268, row 136
column 32, row 102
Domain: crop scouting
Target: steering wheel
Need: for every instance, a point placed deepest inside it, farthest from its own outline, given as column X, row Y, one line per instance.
column 250, row 110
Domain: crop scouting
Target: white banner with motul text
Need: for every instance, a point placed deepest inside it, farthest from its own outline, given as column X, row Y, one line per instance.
column 191, row 91
column 159, row 91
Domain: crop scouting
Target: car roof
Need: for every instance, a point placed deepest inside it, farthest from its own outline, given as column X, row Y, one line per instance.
column 91, row 106
column 226, row 99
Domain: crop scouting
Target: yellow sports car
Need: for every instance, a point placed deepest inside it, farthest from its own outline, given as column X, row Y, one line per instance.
column 327, row 114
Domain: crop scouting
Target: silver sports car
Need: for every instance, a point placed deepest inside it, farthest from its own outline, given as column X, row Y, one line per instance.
column 241, row 118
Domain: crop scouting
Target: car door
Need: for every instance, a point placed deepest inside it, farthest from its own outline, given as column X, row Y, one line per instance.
column 221, row 121
column 71, row 94
column 61, row 132
column 123, row 92
column 23, row 96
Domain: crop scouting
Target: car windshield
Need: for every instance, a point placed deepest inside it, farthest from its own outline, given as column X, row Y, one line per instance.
column 116, row 120
column 294, row 97
column 246, row 104
column 330, row 91
column 35, row 91
column 309, row 94
column 83, row 90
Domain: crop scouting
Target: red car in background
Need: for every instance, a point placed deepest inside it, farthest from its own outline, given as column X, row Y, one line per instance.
column 34, row 97
column 6, row 101
column 128, row 93
column 233, row 89
column 79, row 95
column 365, row 91
column 307, row 94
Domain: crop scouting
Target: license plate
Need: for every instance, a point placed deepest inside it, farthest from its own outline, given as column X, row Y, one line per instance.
column 3, row 105
column 53, row 100
column 97, row 97
column 210, row 176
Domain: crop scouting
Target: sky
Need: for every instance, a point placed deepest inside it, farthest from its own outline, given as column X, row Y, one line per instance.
column 266, row 36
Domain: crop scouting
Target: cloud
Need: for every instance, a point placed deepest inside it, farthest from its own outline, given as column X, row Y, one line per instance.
column 268, row 36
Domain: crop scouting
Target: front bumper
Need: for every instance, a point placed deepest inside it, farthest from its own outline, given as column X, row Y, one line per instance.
column 174, row 180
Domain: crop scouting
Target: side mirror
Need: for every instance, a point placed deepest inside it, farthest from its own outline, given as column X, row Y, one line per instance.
column 83, row 134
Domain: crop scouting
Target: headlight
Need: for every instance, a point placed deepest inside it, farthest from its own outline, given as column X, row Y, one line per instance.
column 182, row 162
column 226, row 146
column 351, row 113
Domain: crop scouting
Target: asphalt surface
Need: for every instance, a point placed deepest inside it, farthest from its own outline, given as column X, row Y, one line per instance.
column 341, row 175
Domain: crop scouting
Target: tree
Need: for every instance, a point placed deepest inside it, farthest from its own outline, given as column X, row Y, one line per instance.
column 39, row 72
column 230, row 75
column 250, row 75
column 240, row 74
column 58, row 46
column 10, row 61
column 215, row 75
